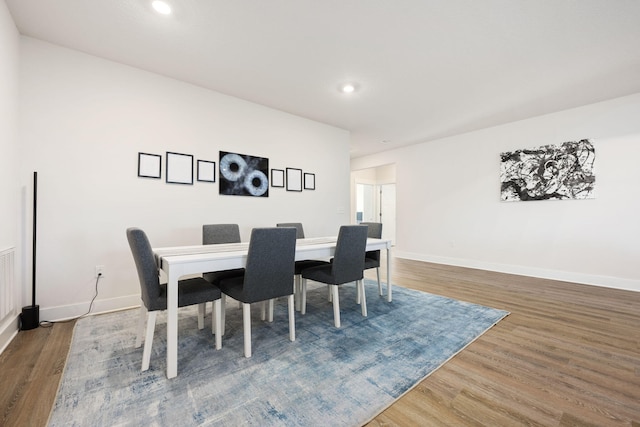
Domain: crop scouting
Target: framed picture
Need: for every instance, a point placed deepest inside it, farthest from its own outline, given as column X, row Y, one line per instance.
column 277, row 178
column 206, row 171
column 549, row 172
column 179, row 168
column 149, row 165
column 294, row 179
column 309, row 181
column 243, row 175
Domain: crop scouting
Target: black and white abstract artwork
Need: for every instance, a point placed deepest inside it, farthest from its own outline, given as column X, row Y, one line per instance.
column 243, row 175
column 550, row 172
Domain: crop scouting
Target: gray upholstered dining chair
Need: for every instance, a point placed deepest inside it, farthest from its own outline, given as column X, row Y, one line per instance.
column 346, row 266
column 220, row 233
column 214, row 234
column 302, row 264
column 372, row 258
column 268, row 272
column 154, row 294
column 296, row 225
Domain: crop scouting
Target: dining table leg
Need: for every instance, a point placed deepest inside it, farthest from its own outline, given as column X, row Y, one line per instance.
column 172, row 325
column 388, row 275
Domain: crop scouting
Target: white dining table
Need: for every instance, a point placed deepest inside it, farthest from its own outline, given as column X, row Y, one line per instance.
column 180, row 261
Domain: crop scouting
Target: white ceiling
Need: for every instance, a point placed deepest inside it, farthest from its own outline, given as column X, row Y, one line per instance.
column 425, row 69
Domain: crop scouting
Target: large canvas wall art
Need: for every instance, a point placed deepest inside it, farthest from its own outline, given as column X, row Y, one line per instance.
column 243, row 175
column 549, row 172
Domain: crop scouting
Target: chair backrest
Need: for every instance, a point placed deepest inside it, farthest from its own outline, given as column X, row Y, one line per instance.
column 146, row 266
column 348, row 261
column 220, row 233
column 296, row 225
column 270, row 263
column 375, row 231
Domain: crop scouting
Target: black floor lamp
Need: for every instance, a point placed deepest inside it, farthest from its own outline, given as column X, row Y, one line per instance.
column 30, row 317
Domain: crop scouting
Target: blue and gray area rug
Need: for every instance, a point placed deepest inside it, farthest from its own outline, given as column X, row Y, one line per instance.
column 328, row 376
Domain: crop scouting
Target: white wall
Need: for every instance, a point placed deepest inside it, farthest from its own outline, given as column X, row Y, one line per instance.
column 449, row 209
column 9, row 189
column 83, row 122
column 9, row 42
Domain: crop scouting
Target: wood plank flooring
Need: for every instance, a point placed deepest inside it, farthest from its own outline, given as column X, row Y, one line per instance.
column 567, row 355
column 31, row 368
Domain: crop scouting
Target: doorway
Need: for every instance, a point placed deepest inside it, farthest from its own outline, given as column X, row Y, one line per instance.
column 365, row 203
column 374, row 198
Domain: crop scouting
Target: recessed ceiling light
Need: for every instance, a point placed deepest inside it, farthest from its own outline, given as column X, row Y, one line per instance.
column 161, row 7
column 347, row 88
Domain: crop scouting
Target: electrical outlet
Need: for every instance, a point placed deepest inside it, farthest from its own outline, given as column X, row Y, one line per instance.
column 100, row 270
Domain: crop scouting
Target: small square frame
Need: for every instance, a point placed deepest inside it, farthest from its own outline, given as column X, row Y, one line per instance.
column 149, row 165
column 309, row 181
column 206, row 171
column 294, row 179
column 179, row 168
column 277, row 178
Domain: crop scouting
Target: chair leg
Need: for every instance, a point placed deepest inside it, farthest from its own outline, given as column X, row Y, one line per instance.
column 303, row 291
column 246, row 326
column 297, row 291
column 148, row 340
column 141, row 321
column 202, row 308
column 292, row 318
column 263, row 310
column 360, row 285
column 379, row 284
column 216, row 319
column 270, row 310
column 213, row 318
column 336, row 305
column 223, row 313
column 358, row 296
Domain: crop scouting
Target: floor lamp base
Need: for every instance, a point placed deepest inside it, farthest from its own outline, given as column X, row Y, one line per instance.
column 30, row 317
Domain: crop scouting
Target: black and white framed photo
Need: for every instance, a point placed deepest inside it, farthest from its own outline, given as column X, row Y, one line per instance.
column 294, row 179
column 243, row 175
column 309, row 181
column 179, row 168
column 549, row 172
column 206, row 171
column 277, row 178
column 149, row 165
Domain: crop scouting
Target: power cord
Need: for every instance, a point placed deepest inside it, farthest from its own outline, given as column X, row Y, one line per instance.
column 50, row 323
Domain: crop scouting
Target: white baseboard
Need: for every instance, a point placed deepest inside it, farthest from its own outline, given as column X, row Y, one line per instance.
column 65, row 312
column 8, row 331
column 565, row 276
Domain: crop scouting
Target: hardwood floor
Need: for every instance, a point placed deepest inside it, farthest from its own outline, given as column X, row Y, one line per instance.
column 31, row 368
column 567, row 355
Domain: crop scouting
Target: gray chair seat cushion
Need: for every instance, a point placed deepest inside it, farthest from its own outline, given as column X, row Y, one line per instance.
column 321, row 273
column 216, row 276
column 190, row 292
column 308, row 263
column 371, row 263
